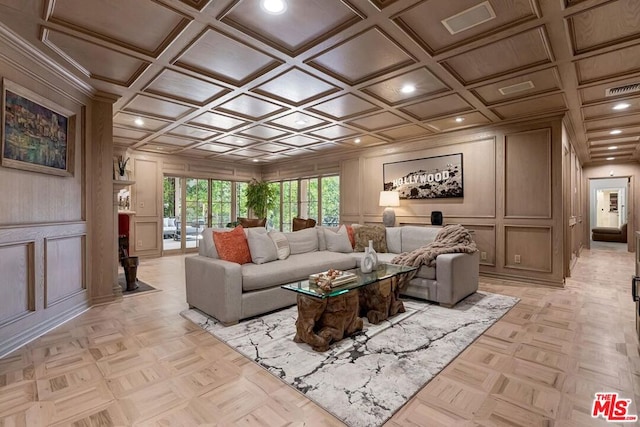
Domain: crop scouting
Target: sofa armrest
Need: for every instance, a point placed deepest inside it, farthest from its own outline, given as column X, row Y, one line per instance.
column 215, row 287
column 457, row 276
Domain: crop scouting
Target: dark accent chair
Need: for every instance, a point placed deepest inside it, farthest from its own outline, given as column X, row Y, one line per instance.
column 301, row 223
column 252, row 222
column 610, row 234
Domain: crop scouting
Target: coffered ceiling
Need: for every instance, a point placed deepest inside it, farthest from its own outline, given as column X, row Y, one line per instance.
column 226, row 79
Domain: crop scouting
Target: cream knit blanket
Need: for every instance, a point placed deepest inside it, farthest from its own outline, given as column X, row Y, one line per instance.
column 451, row 239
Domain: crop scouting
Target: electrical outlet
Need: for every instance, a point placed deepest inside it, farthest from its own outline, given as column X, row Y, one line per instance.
column 139, row 243
column 141, row 205
column 483, row 256
column 517, row 259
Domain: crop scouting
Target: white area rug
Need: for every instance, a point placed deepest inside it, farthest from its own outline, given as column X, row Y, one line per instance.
column 363, row 380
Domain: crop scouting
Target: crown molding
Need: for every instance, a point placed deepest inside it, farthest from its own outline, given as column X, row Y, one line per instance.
column 10, row 38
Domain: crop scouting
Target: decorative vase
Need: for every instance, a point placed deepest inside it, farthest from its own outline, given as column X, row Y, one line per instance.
column 370, row 260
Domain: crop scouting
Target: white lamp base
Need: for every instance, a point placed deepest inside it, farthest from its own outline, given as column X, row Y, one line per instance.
column 389, row 217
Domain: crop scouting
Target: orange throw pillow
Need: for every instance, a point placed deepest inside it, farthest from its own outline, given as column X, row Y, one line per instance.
column 232, row 245
column 351, row 234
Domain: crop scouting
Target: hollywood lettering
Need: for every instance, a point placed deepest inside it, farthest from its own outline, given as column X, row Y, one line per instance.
column 422, row 178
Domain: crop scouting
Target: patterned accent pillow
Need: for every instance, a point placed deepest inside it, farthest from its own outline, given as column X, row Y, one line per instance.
column 232, row 246
column 377, row 233
column 282, row 244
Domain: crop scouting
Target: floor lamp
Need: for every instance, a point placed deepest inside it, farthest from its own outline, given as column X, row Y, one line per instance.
column 390, row 200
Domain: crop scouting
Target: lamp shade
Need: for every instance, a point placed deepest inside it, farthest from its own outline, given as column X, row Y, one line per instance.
column 389, row 198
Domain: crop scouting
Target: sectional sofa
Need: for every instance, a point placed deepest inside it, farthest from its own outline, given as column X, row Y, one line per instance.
column 230, row 291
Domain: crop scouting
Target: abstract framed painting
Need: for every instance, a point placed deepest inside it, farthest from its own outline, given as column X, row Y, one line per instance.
column 427, row 178
column 38, row 135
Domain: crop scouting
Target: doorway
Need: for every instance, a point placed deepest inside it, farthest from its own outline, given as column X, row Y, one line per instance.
column 608, row 208
column 185, row 212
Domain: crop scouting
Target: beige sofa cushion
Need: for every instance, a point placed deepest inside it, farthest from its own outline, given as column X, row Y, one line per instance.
column 296, row 267
column 414, row 236
column 303, row 241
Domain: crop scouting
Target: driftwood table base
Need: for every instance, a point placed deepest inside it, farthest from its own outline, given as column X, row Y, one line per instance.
column 323, row 321
column 379, row 301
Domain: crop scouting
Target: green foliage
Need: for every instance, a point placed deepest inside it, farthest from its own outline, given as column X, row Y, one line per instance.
column 261, row 197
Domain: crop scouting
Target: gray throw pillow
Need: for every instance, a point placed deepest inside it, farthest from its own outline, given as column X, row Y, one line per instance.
column 261, row 246
column 338, row 241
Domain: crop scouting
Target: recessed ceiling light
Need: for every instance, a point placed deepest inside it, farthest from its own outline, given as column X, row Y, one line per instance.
column 256, row 160
column 275, row 7
column 138, row 121
column 621, row 106
column 615, row 132
column 159, row 148
column 459, row 119
column 301, row 122
column 357, row 140
column 610, row 158
column 612, row 148
column 408, row 88
column 239, row 141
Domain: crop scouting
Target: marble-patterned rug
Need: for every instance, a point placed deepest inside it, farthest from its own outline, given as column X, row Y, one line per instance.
column 363, row 380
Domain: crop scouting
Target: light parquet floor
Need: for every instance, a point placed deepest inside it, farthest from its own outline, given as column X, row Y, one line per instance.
column 137, row 362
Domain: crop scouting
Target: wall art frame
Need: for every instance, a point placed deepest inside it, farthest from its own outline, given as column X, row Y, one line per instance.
column 38, row 135
column 426, row 178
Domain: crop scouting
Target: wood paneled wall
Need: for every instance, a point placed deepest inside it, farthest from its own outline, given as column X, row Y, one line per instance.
column 512, row 195
column 56, row 233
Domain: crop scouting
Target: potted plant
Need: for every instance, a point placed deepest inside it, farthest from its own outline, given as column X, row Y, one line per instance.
column 261, row 197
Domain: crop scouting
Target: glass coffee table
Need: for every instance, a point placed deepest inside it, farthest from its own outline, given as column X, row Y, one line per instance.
column 331, row 315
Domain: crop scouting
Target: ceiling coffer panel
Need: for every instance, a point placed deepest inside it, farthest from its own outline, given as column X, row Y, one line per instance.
column 304, row 25
column 225, row 58
column 296, row 87
column 250, row 107
column 449, row 104
column 407, row 86
column 185, row 88
column 540, row 105
column 611, row 64
column 119, row 23
column 95, row 61
column 351, row 61
column 344, row 106
column 510, row 55
column 440, row 25
column 589, row 32
column 157, row 107
column 525, row 85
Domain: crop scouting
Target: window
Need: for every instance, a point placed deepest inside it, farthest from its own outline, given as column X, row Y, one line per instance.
column 309, row 198
column 220, row 203
column 289, row 203
column 196, row 205
column 273, row 216
column 241, row 200
column 330, row 200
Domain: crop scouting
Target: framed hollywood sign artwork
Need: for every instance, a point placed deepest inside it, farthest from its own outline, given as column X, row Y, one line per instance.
column 37, row 134
column 428, row 178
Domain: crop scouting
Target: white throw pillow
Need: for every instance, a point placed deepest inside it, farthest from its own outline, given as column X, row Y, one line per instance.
column 281, row 243
column 338, row 242
column 303, row 241
column 261, row 246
